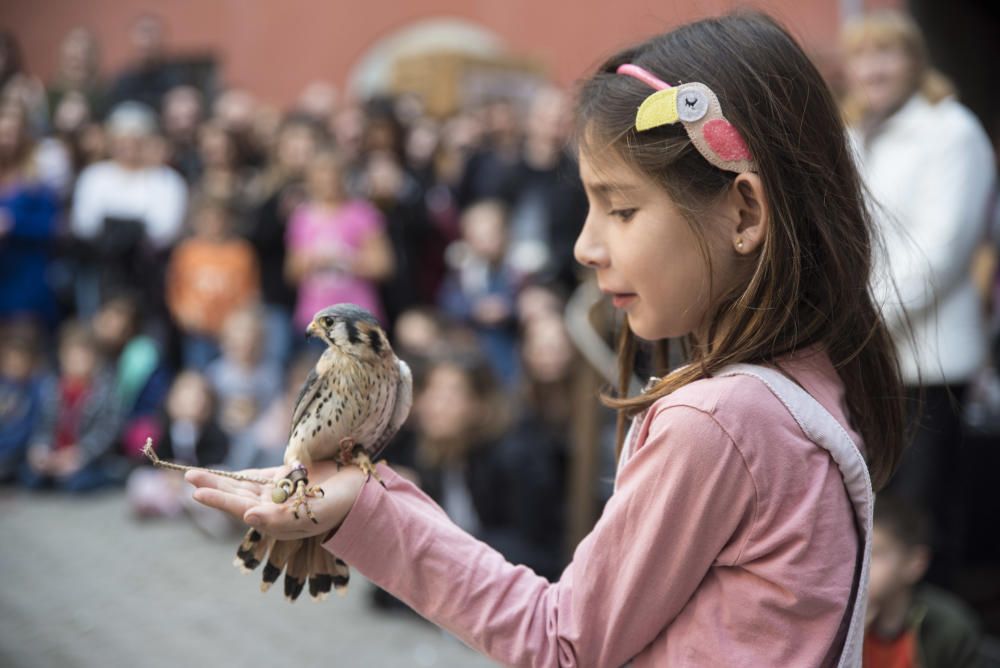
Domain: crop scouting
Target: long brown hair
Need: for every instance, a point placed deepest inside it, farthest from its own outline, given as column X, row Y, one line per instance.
column 809, row 283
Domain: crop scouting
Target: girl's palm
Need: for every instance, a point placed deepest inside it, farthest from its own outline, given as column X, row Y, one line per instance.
column 251, row 502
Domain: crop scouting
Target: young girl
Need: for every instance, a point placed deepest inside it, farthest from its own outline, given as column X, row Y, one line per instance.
column 480, row 288
column 727, row 211
column 337, row 247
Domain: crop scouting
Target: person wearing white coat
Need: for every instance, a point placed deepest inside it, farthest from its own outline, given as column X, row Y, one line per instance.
column 931, row 174
column 127, row 212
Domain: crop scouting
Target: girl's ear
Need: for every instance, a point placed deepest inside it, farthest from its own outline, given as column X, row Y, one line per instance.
column 752, row 214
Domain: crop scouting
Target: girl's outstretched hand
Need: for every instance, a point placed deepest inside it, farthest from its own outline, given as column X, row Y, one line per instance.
column 251, row 502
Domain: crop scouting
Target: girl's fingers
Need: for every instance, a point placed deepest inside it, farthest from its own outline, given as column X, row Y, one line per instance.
column 204, row 479
column 234, row 504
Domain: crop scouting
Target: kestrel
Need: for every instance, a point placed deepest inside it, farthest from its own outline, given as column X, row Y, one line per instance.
column 353, row 402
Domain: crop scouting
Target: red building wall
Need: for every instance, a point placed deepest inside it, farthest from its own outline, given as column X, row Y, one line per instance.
column 275, row 47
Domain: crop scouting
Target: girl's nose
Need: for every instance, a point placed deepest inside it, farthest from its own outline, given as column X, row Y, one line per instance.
column 589, row 250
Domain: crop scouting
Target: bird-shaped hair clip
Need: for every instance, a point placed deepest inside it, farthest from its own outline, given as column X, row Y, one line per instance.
column 697, row 107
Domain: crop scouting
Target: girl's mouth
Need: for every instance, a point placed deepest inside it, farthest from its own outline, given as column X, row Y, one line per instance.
column 623, row 300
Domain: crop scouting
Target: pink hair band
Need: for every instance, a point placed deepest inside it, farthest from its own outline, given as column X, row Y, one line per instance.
column 642, row 75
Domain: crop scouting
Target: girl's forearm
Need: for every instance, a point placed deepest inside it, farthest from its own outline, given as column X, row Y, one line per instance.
column 404, row 542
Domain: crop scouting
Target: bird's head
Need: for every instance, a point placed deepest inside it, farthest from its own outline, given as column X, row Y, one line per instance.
column 351, row 329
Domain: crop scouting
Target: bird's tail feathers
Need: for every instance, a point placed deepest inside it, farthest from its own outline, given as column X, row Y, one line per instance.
column 297, row 570
column 278, row 559
column 252, row 550
column 327, row 572
column 301, row 561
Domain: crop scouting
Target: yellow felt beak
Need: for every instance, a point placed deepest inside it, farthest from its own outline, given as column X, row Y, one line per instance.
column 658, row 109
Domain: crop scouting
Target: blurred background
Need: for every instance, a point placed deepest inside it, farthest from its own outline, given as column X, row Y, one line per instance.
column 182, row 184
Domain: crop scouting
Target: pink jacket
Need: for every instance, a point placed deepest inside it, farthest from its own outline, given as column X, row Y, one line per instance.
column 729, row 540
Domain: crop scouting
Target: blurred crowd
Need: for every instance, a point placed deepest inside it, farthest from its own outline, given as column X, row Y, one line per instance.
column 164, row 243
column 163, row 247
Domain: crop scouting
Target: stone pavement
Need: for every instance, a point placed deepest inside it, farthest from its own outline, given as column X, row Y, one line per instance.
column 84, row 584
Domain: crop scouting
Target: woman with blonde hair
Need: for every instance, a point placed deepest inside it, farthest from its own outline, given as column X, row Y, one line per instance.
column 891, row 36
column 930, row 171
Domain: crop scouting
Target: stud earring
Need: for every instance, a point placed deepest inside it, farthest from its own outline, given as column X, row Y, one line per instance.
column 739, row 244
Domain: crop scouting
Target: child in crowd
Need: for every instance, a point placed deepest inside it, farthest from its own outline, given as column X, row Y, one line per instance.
column 480, row 290
column 448, row 445
column 338, row 249
column 457, row 418
column 211, row 275
column 725, row 210
column 419, row 334
column 245, row 382
column 187, row 433
column 912, row 625
column 539, row 300
column 71, row 447
column 20, row 400
column 534, row 455
column 141, row 375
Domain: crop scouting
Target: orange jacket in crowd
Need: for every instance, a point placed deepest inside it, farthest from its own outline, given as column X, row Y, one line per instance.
column 208, row 280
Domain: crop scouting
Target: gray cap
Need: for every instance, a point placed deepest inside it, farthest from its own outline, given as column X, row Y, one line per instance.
column 131, row 118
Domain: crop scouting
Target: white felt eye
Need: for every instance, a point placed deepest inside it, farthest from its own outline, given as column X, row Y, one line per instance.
column 692, row 104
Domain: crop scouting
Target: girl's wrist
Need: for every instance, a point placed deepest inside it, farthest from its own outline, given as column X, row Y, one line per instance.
column 348, row 492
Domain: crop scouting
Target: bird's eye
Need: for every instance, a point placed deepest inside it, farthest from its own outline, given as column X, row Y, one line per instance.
column 694, row 104
column 328, row 322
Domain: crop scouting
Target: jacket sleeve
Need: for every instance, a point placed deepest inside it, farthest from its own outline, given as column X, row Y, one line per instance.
column 681, row 498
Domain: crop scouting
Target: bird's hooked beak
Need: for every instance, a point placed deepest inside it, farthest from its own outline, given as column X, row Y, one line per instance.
column 312, row 330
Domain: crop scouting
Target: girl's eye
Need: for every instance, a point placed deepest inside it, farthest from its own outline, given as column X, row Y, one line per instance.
column 624, row 215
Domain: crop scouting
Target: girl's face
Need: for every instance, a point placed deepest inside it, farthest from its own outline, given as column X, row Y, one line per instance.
column 77, row 360
column 72, row 113
column 484, row 229
column 324, row 180
column 647, row 257
column 114, row 323
column 547, row 349
column 417, row 332
column 422, row 142
column 189, row 399
column 296, row 145
column 242, row 339
column 447, row 407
